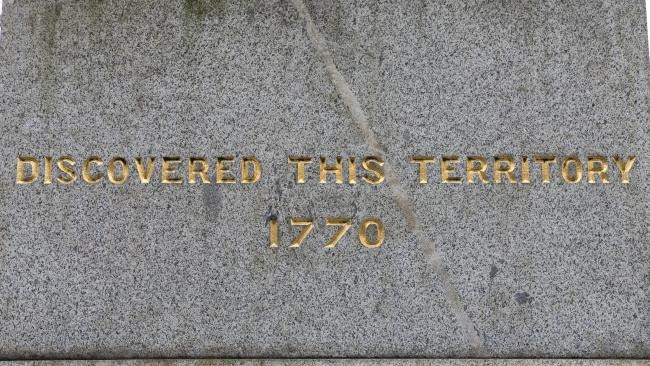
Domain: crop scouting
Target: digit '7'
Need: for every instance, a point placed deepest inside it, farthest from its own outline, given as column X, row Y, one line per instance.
column 308, row 226
column 344, row 226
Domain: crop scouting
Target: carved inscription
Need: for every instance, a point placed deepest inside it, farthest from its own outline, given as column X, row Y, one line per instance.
column 337, row 170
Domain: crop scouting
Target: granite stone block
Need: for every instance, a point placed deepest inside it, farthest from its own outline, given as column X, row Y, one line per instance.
column 466, row 270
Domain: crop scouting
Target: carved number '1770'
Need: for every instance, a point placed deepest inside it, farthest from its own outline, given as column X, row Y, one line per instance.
column 344, row 225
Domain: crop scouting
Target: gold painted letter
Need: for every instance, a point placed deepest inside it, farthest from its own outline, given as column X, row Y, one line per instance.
column 246, row 163
column 144, row 173
column 169, row 166
column 446, row 169
column 625, row 167
column 65, row 164
column 422, row 162
column 337, row 169
column 473, row 170
column 201, row 171
column 124, row 174
column 374, row 165
column 301, row 162
column 566, row 169
column 525, row 170
column 85, row 170
column 545, row 162
column 223, row 171
column 507, row 170
column 47, row 175
column 21, row 161
column 597, row 165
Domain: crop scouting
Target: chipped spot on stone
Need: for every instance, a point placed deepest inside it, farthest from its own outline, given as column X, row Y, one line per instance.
column 270, row 215
column 523, row 297
column 493, row 271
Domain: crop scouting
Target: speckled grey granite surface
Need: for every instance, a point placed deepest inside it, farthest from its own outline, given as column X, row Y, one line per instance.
column 154, row 270
column 350, row 362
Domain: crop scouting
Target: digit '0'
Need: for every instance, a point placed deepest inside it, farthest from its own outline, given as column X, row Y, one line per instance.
column 363, row 236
